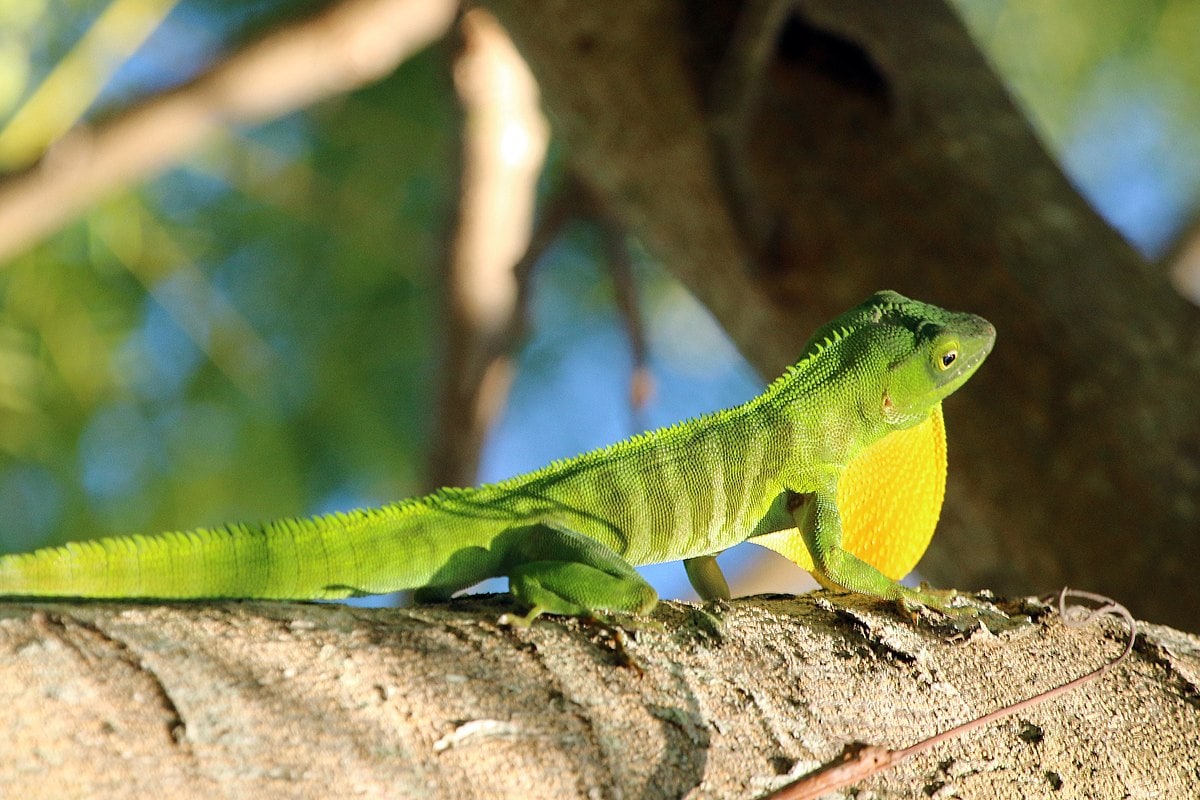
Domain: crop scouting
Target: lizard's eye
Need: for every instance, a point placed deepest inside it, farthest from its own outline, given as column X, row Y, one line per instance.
column 947, row 358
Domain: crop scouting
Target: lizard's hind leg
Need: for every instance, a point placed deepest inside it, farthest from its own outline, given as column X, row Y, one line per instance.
column 557, row 571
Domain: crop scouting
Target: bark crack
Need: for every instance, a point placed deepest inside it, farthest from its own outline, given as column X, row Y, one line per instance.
column 65, row 628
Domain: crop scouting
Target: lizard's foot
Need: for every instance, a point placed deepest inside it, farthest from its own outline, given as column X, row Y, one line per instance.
column 709, row 618
column 519, row 620
column 615, row 634
column 963, row 612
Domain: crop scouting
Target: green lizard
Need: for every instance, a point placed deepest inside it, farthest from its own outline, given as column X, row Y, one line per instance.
column 840, row 465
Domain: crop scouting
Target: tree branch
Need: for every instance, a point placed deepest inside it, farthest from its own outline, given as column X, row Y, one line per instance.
column 225, row 699
column 346, row 46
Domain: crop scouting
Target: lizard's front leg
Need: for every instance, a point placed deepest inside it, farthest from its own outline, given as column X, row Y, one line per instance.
column 706, row 578
column 819, row 521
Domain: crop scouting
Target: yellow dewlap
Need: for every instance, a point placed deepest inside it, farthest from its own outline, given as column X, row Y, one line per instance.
column 890, row 498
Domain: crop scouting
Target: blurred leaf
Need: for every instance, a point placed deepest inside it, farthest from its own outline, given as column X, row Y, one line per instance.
column 250, row 335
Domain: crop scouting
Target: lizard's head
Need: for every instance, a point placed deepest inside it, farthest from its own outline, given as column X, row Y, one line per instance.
column 896, row 358
column 928, row 353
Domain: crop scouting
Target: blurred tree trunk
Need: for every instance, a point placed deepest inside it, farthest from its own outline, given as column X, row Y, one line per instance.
column 869, row 145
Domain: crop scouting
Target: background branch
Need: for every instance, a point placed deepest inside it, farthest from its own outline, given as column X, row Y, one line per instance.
column 504, row 146
column 344, row 47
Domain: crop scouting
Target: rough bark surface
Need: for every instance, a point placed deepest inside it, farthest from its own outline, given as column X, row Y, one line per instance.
column 107, row 700
column 885, row 152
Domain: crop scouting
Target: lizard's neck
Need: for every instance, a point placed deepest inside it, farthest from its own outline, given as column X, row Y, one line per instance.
column 830, row 412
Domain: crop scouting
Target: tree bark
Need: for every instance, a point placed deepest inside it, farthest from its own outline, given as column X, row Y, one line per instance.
column 883, row 151
column 236, row 700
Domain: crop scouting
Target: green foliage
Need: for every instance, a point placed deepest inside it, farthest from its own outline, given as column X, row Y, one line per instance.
column 251, row 334
column 1053, row 55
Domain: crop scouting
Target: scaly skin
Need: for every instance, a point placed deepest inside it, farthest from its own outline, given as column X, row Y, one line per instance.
column 840, row 465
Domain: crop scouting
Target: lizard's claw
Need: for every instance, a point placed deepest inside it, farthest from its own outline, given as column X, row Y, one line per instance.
column 519, row 620
column 709, row 618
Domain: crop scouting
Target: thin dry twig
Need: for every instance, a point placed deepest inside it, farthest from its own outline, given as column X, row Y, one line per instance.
column 461, row 439
column 620, row 265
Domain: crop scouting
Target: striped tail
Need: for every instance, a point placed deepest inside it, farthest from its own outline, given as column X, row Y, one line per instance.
column 327, row 557
column 226, row 562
